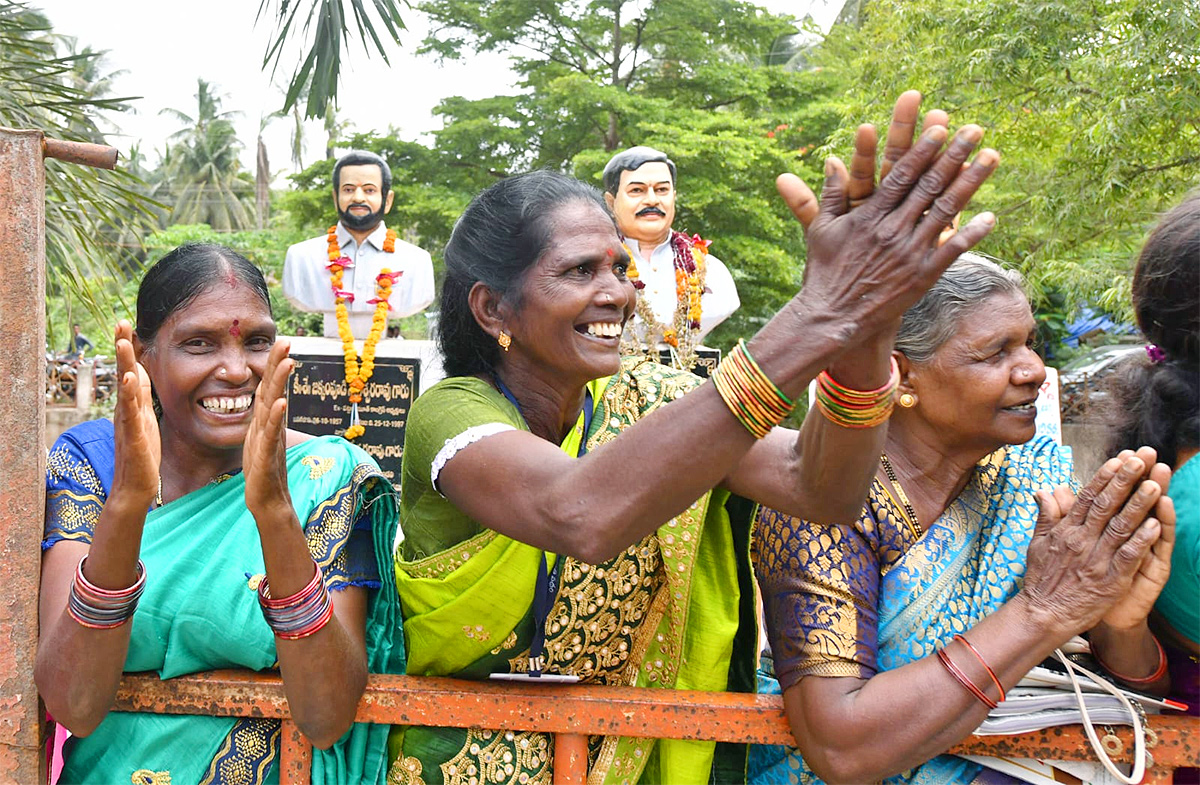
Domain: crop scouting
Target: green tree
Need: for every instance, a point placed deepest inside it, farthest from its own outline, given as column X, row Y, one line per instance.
column 687, row 76
column 49, row 83
column 208, row 184
column 1095, row 107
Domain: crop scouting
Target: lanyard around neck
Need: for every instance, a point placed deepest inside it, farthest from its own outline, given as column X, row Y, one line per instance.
column 548, row 577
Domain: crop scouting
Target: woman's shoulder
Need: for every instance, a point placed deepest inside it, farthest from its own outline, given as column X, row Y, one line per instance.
column 83, row 453
column 93, row 433
column 462, row 399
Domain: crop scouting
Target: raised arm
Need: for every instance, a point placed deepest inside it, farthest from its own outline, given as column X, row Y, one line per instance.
column 77, row 667
column 823, row 475
column 865, row 268
column 324, row 673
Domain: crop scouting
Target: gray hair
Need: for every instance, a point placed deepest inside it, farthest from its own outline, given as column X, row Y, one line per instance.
column 629, row 160
column 933, row 319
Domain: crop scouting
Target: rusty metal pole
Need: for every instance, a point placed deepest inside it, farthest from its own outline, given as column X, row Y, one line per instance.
column 295, row 756
column 22, row 421
column 570, row 759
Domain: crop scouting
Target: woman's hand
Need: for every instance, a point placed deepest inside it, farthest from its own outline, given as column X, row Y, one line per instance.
column 1133, row 609
column 1085, row 553
column 137, row 448
column 872, row 263
column 862, row 164
column 264, row 455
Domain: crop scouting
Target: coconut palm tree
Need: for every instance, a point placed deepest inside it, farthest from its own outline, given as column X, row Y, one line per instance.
column 322, row 27
column 208, row 184
column 48, row 83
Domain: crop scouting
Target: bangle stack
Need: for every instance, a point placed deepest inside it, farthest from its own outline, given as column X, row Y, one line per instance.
column 961, row 678
column 749, row 393
column 104, row 609
column 1159, row 672
column 857, row 408
column 300, row 615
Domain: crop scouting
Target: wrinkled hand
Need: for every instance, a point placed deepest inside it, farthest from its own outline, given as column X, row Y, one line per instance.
column 1134, row 608
column 1086, row 552
column 862, row 164
column 264, row 455
column 137, row 446
column 872, row 263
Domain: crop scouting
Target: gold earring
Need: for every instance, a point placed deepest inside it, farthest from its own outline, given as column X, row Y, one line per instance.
column 505, row 340
column 908, row 400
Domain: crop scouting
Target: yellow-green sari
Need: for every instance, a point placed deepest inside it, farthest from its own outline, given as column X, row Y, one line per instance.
column 673, row 611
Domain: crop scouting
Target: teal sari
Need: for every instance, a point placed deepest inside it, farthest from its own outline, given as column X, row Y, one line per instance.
column 854, row 600
column 200, row 612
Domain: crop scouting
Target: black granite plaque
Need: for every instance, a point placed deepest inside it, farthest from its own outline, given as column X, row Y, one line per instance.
column 319, row 403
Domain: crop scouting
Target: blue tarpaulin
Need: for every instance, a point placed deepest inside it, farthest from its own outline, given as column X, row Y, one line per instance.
column 1091, row 321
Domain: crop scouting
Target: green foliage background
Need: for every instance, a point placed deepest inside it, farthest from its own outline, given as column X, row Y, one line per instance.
column 1094, row 104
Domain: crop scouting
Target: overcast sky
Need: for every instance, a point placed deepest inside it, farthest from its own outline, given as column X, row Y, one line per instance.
column 163, row 53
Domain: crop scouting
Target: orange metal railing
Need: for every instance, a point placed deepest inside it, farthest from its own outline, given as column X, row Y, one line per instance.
column 573, row 712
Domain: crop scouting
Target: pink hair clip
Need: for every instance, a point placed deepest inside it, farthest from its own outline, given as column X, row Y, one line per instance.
column 1155, row 353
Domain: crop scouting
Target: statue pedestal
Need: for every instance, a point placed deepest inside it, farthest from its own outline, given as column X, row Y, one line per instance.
column 318, row 396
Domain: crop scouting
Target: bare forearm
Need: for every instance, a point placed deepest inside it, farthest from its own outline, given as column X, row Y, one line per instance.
column 323, row 674
column 839, row 734
column 839, row 463
column 78, row 668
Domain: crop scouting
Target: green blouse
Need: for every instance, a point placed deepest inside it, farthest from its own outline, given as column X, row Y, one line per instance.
column 452, row 409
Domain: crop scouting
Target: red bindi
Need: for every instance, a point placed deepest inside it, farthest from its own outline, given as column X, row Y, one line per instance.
column 234, row 330
column 610, row 252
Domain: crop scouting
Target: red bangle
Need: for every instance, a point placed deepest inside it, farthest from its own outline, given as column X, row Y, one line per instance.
column 962, row 679
column 1159, row 672
column 983, row 662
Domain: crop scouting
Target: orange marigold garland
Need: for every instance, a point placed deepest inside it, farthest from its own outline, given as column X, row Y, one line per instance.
column 357, row 374
column 682, row 334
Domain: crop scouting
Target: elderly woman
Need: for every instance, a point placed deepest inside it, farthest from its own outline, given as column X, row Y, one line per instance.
column 564, row 515
column 193, row 531
column 971, row 559
column 1158, row 403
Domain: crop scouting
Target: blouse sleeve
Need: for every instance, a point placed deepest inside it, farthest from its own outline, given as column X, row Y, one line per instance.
column 820, row 588
column 449, row 416
column 78, row 474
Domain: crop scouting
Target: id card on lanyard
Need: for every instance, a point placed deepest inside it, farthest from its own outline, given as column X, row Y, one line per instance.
column 546, row 588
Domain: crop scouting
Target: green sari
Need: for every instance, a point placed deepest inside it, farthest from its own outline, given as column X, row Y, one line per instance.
column 674, row 611
column 200, row 611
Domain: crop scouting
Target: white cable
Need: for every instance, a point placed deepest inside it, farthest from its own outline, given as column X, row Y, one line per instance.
column 1139, row 735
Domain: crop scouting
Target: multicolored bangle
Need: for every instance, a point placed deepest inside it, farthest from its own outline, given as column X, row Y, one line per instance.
column 857, row 408
column 104, row 609
column 986, row 667
column 1159, row 672
column 749, row 393
column 298, row 615
column 962, row 679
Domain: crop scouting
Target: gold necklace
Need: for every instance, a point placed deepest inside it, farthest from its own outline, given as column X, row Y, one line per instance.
column 910, row 514
column 158, row 496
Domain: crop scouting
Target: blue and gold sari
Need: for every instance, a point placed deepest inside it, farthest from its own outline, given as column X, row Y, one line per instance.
column 200, row 611
column 857, row 599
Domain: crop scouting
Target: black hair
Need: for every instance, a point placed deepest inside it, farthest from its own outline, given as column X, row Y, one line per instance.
column 629, row 160
column 499, row 237
column 185, row 273
column 1157, row 403
column 363, row 158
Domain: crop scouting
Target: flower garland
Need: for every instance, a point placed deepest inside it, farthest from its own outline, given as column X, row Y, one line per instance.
column 358, row 373
column 682, row 335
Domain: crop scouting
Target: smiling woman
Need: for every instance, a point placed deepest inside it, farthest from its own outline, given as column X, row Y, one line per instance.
column 945, row 593
column 571, row 516
column 193, row 532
